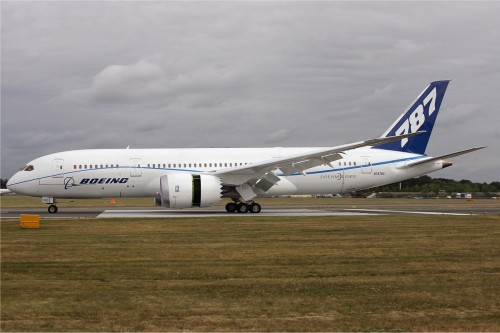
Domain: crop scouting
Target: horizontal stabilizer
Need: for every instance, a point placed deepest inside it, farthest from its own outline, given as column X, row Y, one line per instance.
column 442, row 157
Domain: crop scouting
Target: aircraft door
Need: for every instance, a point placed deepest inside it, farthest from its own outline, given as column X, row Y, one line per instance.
column 55, row 175
column 366, row 167
column 135, row 167
column 57, row 168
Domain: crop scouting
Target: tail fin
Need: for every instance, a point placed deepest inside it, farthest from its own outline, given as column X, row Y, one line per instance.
column 420, row 116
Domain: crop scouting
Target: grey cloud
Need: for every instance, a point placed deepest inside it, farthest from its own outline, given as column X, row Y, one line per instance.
column 173, row 74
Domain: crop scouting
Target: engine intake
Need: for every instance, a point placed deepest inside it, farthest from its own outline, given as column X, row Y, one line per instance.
column 184, row 190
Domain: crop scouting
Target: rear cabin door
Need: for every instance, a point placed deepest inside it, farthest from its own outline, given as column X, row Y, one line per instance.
column 366, row 168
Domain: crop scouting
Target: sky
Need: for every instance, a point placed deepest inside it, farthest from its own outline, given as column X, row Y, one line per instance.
column 78, row 75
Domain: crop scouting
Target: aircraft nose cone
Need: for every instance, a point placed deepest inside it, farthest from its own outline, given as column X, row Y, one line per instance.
column 10, row 184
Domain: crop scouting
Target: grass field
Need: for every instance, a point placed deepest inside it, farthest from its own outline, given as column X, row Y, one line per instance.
column 359, row 273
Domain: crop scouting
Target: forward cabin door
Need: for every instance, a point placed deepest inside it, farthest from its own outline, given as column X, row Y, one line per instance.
column 56, row 173
column 57, row 168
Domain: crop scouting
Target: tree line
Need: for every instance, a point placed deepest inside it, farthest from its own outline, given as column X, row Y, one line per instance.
column 426, row 184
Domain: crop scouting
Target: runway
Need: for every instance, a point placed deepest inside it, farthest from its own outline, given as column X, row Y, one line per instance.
column 216, row 213
column 151, row 212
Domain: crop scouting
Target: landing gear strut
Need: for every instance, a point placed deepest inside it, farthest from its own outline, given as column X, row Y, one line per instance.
column 242, row 207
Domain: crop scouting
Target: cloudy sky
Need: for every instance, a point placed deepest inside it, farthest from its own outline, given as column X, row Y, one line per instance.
column 81, row 75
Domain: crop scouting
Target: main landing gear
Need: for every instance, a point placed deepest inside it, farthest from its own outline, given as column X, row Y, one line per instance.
column 242, row 207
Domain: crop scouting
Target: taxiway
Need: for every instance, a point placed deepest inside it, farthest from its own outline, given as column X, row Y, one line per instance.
column 291, row 210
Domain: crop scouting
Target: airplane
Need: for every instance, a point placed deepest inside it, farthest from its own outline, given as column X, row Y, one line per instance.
column 200, row 177
column 4, row 191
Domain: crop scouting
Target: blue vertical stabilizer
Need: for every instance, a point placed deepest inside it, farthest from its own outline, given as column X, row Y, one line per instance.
column 420, row 116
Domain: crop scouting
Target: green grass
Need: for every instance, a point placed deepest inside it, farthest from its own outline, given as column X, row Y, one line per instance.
column 397, row 273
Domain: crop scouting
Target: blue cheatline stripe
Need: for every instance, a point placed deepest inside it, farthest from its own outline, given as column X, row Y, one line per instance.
column 355, row 167
column 200, row 171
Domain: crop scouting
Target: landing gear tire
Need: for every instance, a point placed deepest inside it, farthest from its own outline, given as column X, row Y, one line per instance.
column 231, row 207
column 242, row 208
column 255, row 208
column 52, row 209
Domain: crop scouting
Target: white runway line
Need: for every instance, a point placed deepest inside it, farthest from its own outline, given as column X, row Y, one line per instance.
column 208, row 213
column 407, row 212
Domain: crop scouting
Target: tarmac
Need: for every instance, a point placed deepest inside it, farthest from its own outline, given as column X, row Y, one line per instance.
column 489, row 207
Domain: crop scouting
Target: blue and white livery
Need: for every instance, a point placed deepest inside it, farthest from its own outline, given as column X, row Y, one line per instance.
column 182, row 178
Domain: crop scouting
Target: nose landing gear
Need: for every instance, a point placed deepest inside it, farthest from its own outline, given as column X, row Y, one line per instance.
column 52, row 202
column 52, row 209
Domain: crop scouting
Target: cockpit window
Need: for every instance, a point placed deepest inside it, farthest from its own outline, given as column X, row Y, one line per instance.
column 29, row 168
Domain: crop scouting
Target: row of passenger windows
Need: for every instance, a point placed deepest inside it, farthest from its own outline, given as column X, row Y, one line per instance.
column 95, row 166
column 194, row 165
column 173, row 165
column 159, row 165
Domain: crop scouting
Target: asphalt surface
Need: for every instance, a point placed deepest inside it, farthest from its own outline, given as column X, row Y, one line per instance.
column 488, row 207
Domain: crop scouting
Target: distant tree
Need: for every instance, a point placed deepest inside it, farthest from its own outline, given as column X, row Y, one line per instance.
column 426, row 185
column 3, row 183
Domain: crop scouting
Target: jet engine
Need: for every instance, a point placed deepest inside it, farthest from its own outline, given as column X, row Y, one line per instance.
column 184, row 190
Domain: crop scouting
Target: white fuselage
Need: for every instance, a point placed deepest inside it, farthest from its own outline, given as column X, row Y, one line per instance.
column 136, row 172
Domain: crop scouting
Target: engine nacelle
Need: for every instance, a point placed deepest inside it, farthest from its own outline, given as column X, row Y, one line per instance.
column 184, row 190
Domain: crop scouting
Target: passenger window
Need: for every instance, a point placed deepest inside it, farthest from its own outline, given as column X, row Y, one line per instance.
column 85, row 166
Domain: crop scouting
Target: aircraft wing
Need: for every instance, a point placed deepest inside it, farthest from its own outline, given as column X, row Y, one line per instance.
column 260, row 175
